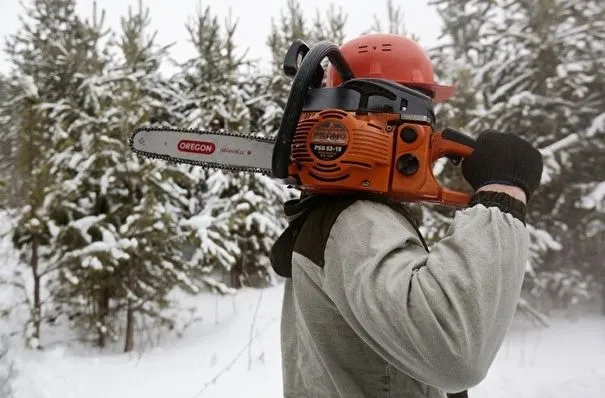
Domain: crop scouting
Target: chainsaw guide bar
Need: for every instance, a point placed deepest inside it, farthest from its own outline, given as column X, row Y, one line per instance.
column 207, row 149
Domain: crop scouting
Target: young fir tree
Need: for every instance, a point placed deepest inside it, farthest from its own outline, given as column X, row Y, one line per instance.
column 331, row 27
column 47, row 54
column 120, row 241
column 147, row 199
column 8, row 159
column 236, row 213
column 204, row 85
column 83, row 247
column 536, row 65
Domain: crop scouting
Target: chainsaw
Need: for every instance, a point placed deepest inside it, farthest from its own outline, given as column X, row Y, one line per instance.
column 366, row 134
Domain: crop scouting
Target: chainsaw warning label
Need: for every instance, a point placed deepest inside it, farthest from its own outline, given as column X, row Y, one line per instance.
column 202, row 147
column 329, row 140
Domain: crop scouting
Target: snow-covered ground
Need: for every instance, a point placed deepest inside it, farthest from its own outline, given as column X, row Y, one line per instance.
column 214, row 359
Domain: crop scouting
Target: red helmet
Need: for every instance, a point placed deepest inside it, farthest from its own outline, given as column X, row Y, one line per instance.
column 392, row 57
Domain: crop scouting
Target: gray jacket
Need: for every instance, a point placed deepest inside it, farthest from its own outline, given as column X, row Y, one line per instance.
column 368, row 312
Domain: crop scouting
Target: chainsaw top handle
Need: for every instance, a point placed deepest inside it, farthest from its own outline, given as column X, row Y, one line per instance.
column 306, row 77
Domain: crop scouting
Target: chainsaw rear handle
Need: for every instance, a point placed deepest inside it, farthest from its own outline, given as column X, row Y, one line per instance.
column 306, row 75
column 456, row 146
column 458, row 140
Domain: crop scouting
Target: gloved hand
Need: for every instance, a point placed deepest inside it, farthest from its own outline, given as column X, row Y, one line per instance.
column 501, row 158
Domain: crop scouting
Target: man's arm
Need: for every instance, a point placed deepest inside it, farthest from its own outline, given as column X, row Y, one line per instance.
column 440, row 317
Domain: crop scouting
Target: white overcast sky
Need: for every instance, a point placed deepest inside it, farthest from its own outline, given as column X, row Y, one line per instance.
column 169, row 17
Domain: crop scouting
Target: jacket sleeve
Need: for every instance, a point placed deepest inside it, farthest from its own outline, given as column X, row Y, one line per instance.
column 439, row 317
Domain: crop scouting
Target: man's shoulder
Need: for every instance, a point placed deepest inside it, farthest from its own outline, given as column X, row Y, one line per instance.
column 347, row 215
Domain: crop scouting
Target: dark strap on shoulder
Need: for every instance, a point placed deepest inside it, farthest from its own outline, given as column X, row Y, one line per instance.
column 463, row 394
column 310, row 222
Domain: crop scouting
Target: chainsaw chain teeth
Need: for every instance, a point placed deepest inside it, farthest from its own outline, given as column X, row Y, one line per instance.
column 205, row 165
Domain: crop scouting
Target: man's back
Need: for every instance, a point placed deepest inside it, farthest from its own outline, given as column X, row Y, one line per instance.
column 367, row 312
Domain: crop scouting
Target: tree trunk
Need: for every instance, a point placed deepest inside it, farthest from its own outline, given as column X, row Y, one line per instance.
column 238, row 268
column 129, row 343
column 236, row 272
column 603, row 299
column 103, row 305
column 37, row 310
column 601, row 272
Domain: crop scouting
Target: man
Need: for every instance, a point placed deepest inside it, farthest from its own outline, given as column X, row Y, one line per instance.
column 369, row 312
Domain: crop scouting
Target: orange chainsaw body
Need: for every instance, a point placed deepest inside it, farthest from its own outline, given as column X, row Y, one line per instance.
column 334, row 151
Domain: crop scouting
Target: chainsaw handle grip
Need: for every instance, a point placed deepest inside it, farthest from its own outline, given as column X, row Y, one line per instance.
column 456, row 137
column 452, row 143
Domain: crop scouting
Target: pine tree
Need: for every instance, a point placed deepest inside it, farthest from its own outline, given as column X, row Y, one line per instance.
column 536, row 66
column 208, row 90
column 160, row 194
column 237, row 214
column 83, row 245
column 46, row 54
column 122, row 247
column 147, row 199
column 331, row 27
column 209, row 82
column 8, row 159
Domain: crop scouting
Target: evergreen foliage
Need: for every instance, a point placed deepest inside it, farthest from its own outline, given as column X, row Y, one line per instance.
column 536, row 70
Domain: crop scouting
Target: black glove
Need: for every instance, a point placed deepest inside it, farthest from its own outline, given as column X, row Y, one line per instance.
column 501, row 158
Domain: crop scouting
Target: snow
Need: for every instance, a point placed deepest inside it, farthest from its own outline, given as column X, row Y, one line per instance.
column 565, row 360
column 28, row 86
column 234, row 351
column 8, row 260
column 85, row 223
column 542, row 240
column 92, row 262
column 598, row 126
column 596, row 198
column 551, row 167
